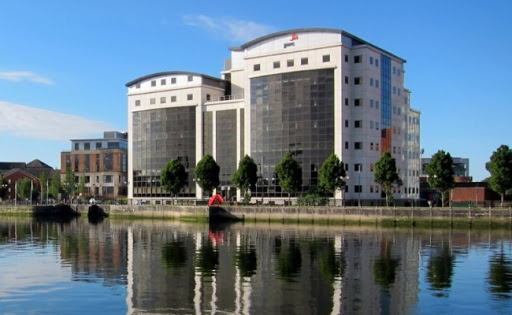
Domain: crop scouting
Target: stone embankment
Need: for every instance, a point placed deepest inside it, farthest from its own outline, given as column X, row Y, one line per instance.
column 399, row 216
column 331, row 215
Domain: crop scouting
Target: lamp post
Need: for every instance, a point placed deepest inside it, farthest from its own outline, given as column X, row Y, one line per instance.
column 345, row 179
column 360, row 186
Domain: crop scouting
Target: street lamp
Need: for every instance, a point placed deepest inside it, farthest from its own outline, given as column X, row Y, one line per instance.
column 360, row 186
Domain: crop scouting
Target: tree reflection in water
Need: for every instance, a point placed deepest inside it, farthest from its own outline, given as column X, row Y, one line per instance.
column 440, row 270
column 331, row 264
column 174, row 254
column 208, row 259
column 289, row 260
column 500, row 275
column 246, row 259
column 384, row 268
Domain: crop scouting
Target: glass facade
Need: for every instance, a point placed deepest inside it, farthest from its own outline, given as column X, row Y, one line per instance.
column 225, row 143
column 291, row 112
column 160, row 135
column 385, row 111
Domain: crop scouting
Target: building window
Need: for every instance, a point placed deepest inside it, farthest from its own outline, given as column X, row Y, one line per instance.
column 371, row 127
column 376, row 83
column 153, row 83
column 98, row 145
column 76, row 146
column 163, row 82
column 371, row 188
column 371, row 81
column 190, row 97
column 190, row 78
column 357, row 59
column 371, row 103
column 346, row 147
column 377, row 126
column 371, row 167
column 358, row 81
column 173, row 80
column 358, row 167
column 346, row 80
column 137, row 102
column 358, row 145
column 346, row 101
column 162, row 100
column 346, row 123
column 152, row 101
column 358, row 188
column 304, row 61
column 371, row 145
column 346, row 58
column 87, row 146
column 256, row 67
column 326, row 58
column 371, row 60
column 376, row 147
column 376, row 62
column 137, row 86
column 277, row 64
column 358, row 124
column 377, row 104
column 208, row 97
column 358, row 102
column 289, row 63
column 173, row 99
column 107, row 178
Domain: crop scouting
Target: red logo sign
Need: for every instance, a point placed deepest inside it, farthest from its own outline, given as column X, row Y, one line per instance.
column 294, row 37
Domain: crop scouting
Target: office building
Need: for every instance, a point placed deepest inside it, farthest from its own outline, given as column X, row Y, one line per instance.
column 102, row 162
column 311, row 92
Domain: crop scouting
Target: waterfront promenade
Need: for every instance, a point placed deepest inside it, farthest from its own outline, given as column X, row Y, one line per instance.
column 387, row 216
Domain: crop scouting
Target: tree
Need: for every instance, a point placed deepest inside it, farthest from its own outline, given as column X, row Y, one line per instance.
column 24, row 188
column 43, row 181
column 332, row 175
column 3, row 186
column 246, row 176
column 81, row 185
column 289, row 173
column 386, row 175
column 440, row 173
column 173, row 177
column 69, row 183
column 207, row 174
column 55, row 185
column 500, row 167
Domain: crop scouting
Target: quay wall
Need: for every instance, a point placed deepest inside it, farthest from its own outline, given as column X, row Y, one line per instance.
column 334, row 215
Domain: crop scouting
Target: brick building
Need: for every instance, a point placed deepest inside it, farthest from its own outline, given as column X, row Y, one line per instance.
column 102, row 162
column 14, row 171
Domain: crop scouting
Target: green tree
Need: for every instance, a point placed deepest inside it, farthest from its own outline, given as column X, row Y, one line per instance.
column 246, row 176
column 173, row 177
column 500, row 167
column 440, row 173
column 207, row 174
column 80, row 189
column 69, row 183
column 43, row 179
column 332, row 175
column 386, row 175
column 289, row 173
column 24, row 188
column 3, row 186
column 384, row 267
column 55, row 185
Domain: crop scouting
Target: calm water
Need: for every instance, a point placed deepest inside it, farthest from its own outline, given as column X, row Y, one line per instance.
column 121, row 267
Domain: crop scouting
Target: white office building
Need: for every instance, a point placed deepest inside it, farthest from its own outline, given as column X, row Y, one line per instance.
column 308, row 91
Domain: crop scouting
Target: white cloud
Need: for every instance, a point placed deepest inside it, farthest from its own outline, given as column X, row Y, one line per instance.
column 36, row 123
column 231, row 29
column 25, row 75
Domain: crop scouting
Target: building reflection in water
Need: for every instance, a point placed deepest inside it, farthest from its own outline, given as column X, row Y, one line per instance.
column 172, row 267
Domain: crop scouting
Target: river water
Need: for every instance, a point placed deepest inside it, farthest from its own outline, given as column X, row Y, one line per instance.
column 169, row 267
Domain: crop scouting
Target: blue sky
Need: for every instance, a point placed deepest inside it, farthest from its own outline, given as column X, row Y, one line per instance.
column 64, row 64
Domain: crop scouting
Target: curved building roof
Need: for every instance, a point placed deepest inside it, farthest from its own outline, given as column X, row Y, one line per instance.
column 166, row 73
column 356, row 40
